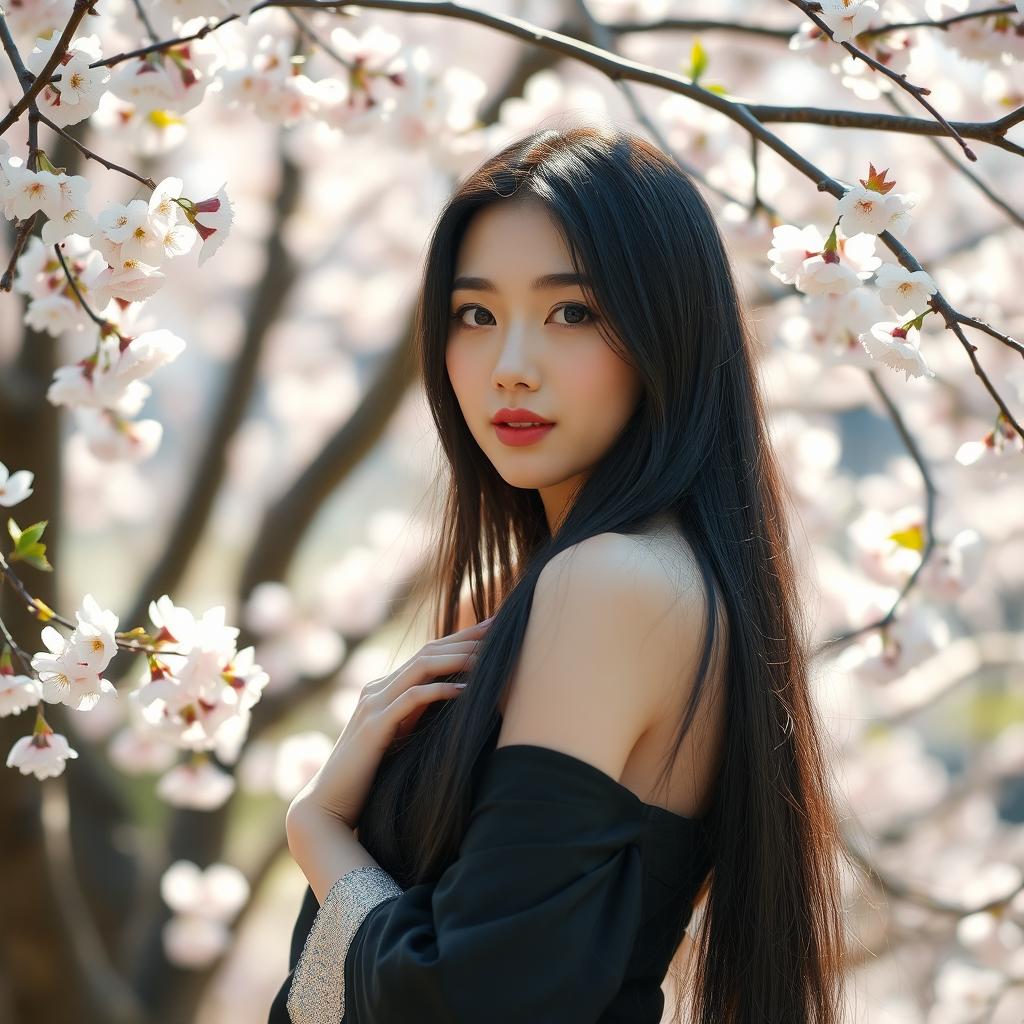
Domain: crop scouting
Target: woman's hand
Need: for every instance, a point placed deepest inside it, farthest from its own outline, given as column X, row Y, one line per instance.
column 387, row 708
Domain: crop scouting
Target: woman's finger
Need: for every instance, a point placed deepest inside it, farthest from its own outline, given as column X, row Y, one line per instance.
column 442, row 645
column 408, row 674
column 406, row 709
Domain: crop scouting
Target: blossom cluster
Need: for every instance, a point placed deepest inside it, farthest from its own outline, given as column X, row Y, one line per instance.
column 993, row 37
column 197, row 696
column 849, row 318
column 113, row 259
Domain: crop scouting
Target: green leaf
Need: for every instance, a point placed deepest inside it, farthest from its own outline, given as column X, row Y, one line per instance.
column 698, row 61
column 36, row 556
column 716, row 88
column 27, row 547
column 31, row 534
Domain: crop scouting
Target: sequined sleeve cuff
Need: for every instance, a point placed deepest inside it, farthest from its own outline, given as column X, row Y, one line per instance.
column 317, row 992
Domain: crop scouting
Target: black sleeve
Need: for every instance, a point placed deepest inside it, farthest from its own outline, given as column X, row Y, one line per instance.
column 534, row 921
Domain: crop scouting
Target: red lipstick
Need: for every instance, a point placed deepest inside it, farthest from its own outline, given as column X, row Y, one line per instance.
column 517, row 436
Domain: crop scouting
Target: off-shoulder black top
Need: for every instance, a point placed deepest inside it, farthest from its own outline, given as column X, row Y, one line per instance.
column 565, row 905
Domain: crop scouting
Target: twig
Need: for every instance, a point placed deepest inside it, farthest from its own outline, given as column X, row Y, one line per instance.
column 917, row 91
column 901, row 890
column 980, row 325
column 110, row 165
column 969, row 174
column 785, row 34
column 319, row 41
column 103, row 325
column 601, row 37
column 941, row 23
column 992, row 132
column 929, row 528
column 143, row 17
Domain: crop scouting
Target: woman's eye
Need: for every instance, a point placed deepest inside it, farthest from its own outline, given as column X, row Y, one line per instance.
column 576, row 315
column 476, row 310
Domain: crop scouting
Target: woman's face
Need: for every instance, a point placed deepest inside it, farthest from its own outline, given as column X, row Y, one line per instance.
column 518, row 343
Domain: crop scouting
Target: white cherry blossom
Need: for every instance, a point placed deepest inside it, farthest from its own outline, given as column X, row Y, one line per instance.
column 818, row 275
column 202, row 787
column 791, row 246
column 889, row 344
column 135, row 229
column 29, row 191
column 71, row 216
column 96, row 631
column 77, row 94
column 205, row 902
column 113, row 438
column 14, row 487
column 299, row 758
column 65, row 674
column 865, row 210
column 902, row 289
column 218, row 893
column 17, row 692
column 164, row 82
column 43, row 754
column 136, row 751
column 212, row 218
column 129, row 280
column 846, row 18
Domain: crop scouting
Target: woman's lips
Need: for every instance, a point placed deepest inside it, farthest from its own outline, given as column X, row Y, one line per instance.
column 516, row 437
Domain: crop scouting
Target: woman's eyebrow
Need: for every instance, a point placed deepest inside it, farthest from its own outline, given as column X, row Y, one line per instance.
column 482, row 284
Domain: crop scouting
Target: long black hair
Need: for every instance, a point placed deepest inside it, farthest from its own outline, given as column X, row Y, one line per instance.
column 770, row 944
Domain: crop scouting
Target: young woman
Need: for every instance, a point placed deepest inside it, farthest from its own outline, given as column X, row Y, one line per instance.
column 637, row 732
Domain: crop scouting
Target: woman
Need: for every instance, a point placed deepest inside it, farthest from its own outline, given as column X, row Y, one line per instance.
column 636, row 731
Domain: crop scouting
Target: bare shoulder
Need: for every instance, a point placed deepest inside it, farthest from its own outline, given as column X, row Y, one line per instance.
column 614, row 621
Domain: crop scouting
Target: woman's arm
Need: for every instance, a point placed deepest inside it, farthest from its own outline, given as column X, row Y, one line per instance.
column 326, row 848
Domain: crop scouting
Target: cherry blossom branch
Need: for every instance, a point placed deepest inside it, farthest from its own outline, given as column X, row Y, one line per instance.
column 809, row 7
column 141, row 12
column 973, row 321
column 104, row 325
column 41, row 611
column 702, row 25
column 620, row 68
column 21, row 237
column 902, row 890
column 956, row 664
column 86, row 152
column 992, row 132
column 81, row 8
column 25, row 227
column 600, row 36
column 315, row 37
column 929, row 529
column 20, row 652
column 969, row 174
column 940, row 23
column 785, row 34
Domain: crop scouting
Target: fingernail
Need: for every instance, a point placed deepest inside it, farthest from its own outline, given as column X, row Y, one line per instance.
column 460, row 686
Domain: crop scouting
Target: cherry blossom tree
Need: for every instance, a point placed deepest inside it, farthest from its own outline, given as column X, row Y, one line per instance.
column 296, row 151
